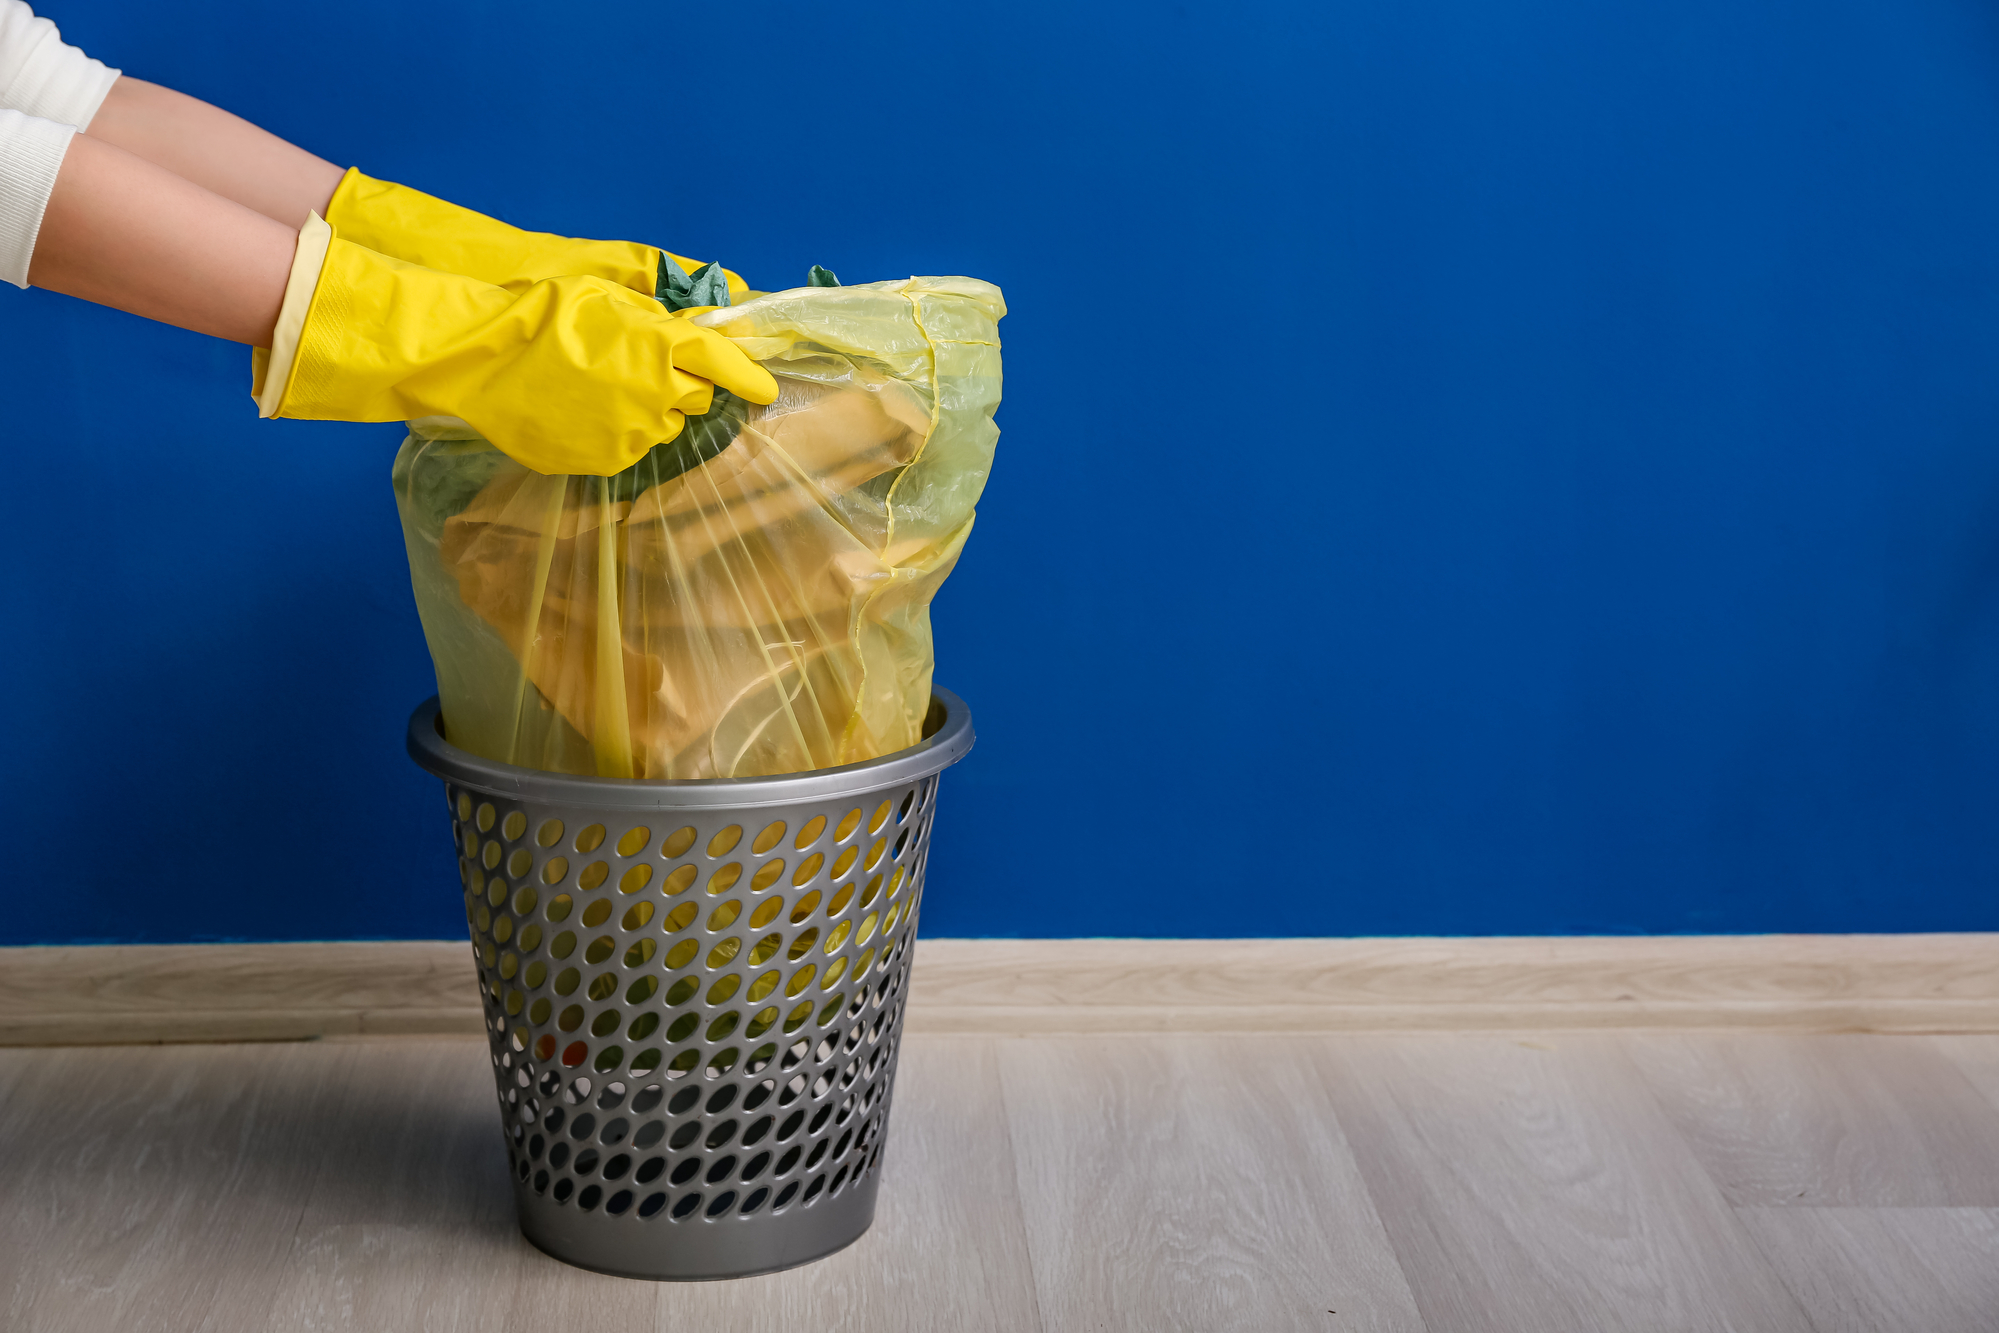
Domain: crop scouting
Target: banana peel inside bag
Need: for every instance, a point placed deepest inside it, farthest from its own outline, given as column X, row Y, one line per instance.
column 751, row 599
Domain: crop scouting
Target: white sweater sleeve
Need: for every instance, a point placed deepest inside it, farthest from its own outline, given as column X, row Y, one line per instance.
column 42, row 75
column 48, row 91
column 31, row 153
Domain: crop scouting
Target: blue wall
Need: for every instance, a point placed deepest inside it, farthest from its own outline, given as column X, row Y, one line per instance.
column 1468, row 468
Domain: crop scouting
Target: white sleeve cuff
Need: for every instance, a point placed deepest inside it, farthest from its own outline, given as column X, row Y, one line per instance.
column 31, row 154
column 43, row 76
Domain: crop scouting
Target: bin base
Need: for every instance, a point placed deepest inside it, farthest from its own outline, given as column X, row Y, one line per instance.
column 696, row 1248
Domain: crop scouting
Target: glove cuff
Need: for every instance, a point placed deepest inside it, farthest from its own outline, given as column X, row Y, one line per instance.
column 271, row 368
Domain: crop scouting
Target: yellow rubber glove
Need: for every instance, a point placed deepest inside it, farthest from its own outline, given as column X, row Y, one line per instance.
column 572, row 375
column 408, row 224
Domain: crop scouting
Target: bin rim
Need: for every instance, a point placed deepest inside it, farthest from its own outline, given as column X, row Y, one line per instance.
column 948, row 737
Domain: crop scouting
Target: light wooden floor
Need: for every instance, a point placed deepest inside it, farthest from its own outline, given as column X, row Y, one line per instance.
column 1482, row 1183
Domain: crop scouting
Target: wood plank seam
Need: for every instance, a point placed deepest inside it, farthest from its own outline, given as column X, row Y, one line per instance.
column 1777, row 983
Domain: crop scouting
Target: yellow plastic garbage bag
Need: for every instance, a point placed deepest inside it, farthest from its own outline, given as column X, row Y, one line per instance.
column 753, row 598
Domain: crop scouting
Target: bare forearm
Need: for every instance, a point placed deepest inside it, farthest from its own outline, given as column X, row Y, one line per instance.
column 222, row 153
column 126, row 233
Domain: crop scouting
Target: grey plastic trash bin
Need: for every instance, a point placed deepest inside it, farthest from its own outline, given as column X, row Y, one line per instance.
column 694, row 995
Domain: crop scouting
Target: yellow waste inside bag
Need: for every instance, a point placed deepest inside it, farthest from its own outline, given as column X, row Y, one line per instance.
column 766, row 610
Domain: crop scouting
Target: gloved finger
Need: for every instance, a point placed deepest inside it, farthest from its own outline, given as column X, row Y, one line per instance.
column 713, row 357
column 676, row 420
column 696, row 395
